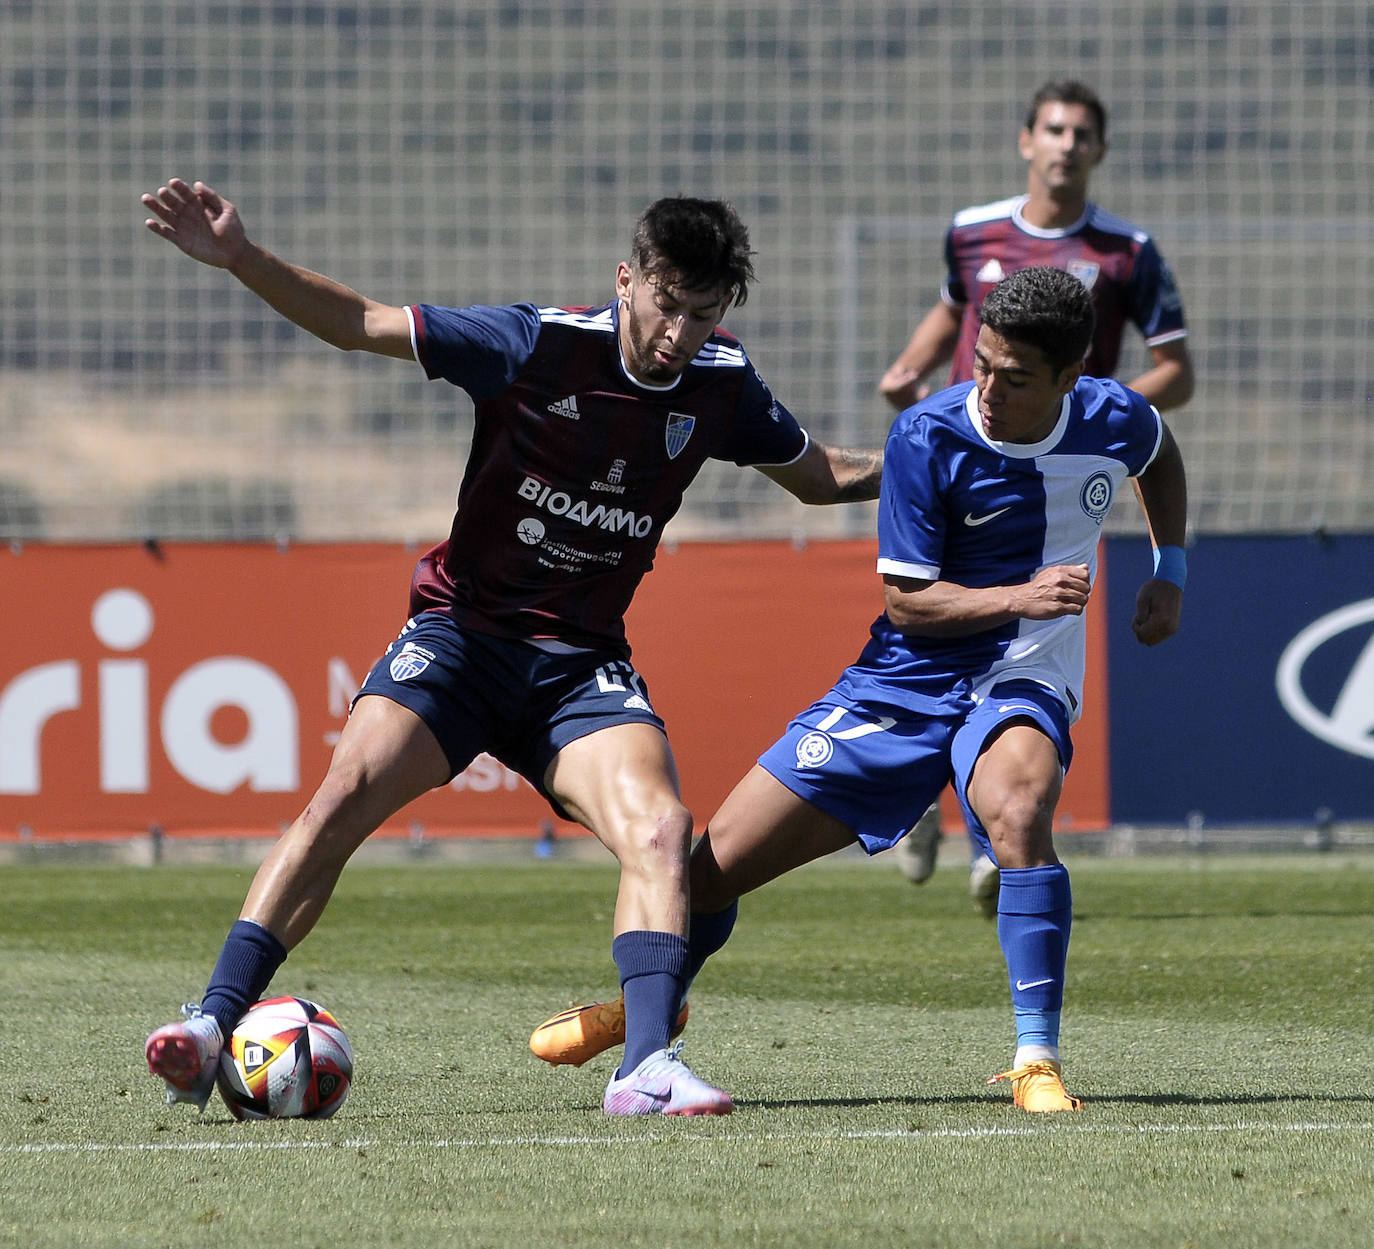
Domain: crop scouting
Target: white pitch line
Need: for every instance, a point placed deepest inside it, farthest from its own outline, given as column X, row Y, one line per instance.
column 558, row 1142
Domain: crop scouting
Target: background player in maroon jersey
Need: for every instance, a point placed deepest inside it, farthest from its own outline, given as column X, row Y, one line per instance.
column 589, row 425
column 1054, row 223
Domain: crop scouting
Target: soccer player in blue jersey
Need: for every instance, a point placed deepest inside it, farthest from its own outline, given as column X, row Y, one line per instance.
column 993, row 499
column 1063, row 141
column 589, row 425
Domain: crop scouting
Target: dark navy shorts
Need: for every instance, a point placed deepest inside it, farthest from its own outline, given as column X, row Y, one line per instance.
column 520, row 704
column 876, row 768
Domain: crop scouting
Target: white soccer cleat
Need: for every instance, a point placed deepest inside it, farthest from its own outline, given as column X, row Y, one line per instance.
column 917, row 850
column 185, row 1056
column 984, row 884
column 664, row 1085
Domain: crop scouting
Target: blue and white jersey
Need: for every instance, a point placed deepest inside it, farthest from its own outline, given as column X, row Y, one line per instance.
column 958, row 506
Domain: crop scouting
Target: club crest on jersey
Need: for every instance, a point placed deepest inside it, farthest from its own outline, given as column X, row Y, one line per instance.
column 1096, row 496
column 990, row 272
column 412, row 661
column 1085, row 271
column 678, row 431
column 814, row 750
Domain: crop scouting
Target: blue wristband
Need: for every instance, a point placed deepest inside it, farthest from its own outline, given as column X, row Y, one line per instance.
column 1171, row 564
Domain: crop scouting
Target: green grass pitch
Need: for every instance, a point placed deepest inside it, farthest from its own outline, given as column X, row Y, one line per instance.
column 1219, row 1027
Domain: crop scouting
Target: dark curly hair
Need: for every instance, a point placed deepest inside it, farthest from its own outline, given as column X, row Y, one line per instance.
column 698, row 244
column 1045, row 308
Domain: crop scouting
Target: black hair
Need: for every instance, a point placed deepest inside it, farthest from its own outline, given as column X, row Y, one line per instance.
column 1045, row 308
column 697, row 244
column 1069, row 91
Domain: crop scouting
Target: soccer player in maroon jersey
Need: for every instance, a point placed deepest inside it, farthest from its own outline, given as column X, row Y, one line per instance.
column 1054, row 223
column 589, row 425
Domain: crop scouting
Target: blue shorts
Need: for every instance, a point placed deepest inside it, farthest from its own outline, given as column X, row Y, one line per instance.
column 522, row 705
column 876, row 768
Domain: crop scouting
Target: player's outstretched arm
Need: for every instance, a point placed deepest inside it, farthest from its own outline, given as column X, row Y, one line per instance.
column 1164, row 495
column 198, row 221
column 206, row 226
column 830, row 474
column 932, row 343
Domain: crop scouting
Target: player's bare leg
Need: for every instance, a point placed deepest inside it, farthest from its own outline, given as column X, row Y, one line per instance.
column 621, row 782
column 761, row 831
column 1013, row 790
column 385, row 757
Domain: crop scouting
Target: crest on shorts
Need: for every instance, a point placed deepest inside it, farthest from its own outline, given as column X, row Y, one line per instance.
column 679, row 429
column 412, row 661
column 814, row 750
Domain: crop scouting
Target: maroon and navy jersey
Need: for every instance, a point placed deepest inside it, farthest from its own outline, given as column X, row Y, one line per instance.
column 575, row 467
column 1115, row 260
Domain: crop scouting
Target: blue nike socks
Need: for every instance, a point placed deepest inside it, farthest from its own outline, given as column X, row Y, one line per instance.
column 247, row 963
column 1034, row 914
column 652, row 968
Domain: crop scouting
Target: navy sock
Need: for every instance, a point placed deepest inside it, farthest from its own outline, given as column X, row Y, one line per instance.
column 705, row 935
column 1034, row 915
column 247, row 963
column 652, row 966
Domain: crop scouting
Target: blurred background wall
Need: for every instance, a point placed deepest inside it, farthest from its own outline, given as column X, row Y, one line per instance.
column 497, row 151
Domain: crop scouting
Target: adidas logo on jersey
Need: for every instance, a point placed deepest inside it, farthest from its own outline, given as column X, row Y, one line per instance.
column 566, row 407
column 991, row 271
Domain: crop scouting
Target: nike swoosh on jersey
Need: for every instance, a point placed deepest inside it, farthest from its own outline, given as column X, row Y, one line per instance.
column 973, row 521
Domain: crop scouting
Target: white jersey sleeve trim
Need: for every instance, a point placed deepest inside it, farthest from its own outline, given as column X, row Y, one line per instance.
column 1159, row 439
column 1172, row 336
column 900, row 568
column 806, row 442
column 414, row 337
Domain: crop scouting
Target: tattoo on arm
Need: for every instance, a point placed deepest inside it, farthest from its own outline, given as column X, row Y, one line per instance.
column 858, row 473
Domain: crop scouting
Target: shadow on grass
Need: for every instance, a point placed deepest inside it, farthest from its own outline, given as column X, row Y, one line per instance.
column 1233, row 1099
column 859, row 1103
column 1354, row 911
column 1097, row 1099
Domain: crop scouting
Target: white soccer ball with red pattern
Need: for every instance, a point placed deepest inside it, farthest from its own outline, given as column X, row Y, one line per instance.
column 287, row 1059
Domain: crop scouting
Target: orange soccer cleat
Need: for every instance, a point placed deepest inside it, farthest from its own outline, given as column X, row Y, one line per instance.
column 583, row 1032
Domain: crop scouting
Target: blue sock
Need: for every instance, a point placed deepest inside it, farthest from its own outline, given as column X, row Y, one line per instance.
column 247, row 963
column 705, row 935
column 1034, row 914
column 652, row 967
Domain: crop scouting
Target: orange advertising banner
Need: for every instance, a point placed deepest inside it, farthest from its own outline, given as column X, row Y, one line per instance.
column 200, row 689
